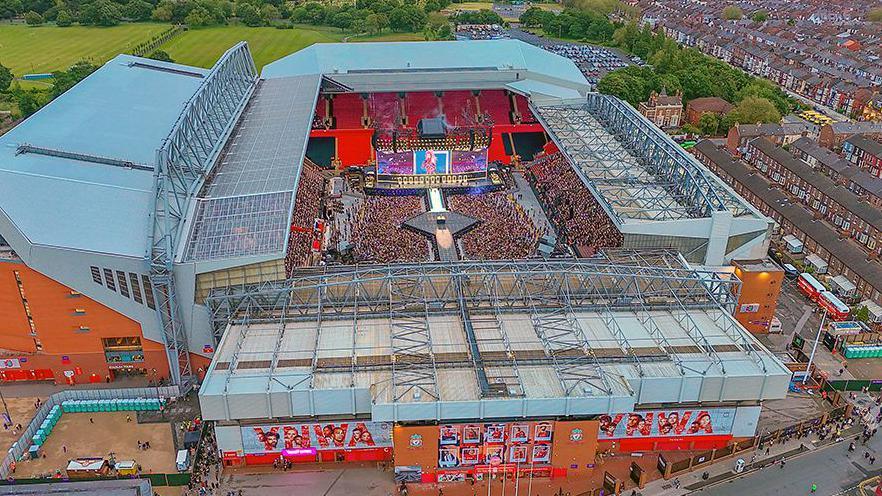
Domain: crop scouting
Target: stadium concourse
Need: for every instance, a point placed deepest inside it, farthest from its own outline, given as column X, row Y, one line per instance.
column 453, row 242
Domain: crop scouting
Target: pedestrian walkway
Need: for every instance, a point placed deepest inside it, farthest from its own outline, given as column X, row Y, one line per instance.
column 524, row 193
column 768, row 458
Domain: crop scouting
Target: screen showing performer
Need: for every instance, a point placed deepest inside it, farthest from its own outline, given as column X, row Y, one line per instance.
column 431, row 162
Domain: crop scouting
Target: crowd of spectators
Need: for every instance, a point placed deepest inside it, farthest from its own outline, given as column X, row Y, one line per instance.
column 376, row 232
column 505, row 230
column 310, row 190
column 578, row 217
column 593, row 61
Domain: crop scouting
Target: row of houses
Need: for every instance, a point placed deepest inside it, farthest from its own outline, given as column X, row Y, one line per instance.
column 855, row 218
column 826, row 248
column 860, row 182
column 831, row 62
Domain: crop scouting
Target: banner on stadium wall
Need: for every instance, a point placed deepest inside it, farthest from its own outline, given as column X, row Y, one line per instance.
column 667, row 423
column 324, row 436
column 465, row 445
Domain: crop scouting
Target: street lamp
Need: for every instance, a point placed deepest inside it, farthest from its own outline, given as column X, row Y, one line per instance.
column 808, row 368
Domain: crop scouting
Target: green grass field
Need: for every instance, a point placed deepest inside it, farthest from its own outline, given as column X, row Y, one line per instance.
column 26, row 49
column 202, row 47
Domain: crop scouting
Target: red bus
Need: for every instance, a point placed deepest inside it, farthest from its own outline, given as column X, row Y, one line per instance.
column 810, row 286
column 836, row 310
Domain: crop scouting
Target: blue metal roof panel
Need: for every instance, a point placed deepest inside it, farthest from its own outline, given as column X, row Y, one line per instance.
column 334, row 58
column 122, row 111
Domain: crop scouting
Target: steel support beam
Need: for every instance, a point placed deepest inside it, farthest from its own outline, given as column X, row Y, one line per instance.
column 185, row 158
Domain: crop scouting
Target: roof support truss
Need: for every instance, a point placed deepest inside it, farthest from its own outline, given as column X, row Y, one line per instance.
column 186, row 156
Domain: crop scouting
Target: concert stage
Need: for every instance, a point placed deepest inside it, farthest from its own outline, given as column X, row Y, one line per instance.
column 402, row 183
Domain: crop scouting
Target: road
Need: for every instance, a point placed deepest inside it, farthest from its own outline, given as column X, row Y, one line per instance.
column 824, row 109
column 830, row 468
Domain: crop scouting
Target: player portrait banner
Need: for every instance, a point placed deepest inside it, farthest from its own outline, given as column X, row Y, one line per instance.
column 468, row 445
column 322, row 436
column 667, row 423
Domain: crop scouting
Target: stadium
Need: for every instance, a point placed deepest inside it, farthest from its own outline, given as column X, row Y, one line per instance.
column 387, row 237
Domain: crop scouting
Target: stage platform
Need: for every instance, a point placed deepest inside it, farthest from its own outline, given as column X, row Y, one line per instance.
column 388, row 183
column 444, row 233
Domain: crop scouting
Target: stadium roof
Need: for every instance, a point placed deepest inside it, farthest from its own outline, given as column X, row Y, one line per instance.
column 373, row 66
column 244, row 208
column 634, row 169
column 86, row 180
column 417, row 343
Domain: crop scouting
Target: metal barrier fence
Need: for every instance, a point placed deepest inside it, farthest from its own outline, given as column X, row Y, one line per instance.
column 21, row 446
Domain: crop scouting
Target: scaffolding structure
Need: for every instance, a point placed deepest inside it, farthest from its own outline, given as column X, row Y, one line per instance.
column 183, row 161
column 554, row 293
column 634, row 169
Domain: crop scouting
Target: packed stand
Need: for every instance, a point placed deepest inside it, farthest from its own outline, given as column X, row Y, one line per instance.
column 306, row 209
column 505, row 230
column 577, row 216
column 594, row 62
column 376, row 232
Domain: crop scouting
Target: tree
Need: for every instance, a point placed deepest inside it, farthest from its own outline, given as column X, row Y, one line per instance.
column 65, row 80
column 33, row 18
column 162, row 12
column 28, row 103
column 248, row 14
column 759, row 16
column 342, row 20
column 63, row 19
column 199, row 16
column 407, row 18
column 138, row 10
column 269, row 13
column 862, row 314
column 732, row 13
column 10, row 8
column 161, row 55
column 100, row 13
column 437, row 28
column 6, row 78
column 372, row 24
column 709, row 124
column 751, row 110
column 875, row 15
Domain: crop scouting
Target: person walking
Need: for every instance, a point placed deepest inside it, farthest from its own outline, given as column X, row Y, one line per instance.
column 814, row 487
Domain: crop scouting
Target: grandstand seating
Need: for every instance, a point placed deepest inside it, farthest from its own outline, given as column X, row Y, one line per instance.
column 306, row 209
column 321, row 113
column 348, row 110
column 460, row 108
column 522, row 107
column 577, row 215
column 497, row 105
column 384, row 110
column 421, row 105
